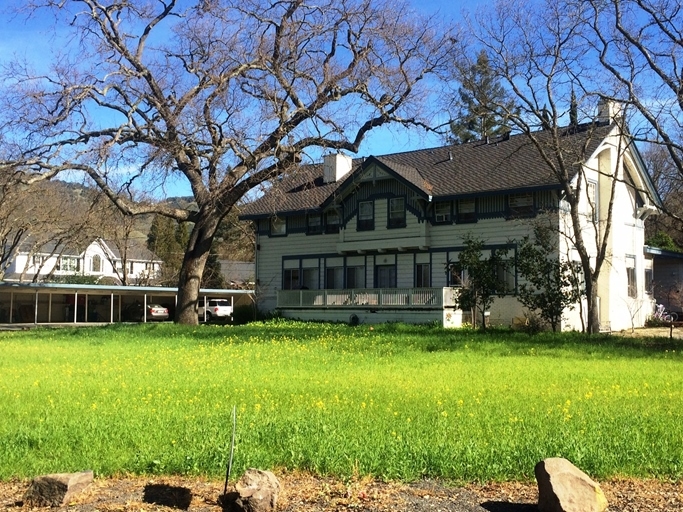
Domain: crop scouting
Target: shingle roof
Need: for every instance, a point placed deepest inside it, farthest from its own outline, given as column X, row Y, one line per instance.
column 475, row 168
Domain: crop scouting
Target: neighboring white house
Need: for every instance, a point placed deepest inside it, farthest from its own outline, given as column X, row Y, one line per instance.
column 369, row 239
column 100, row 259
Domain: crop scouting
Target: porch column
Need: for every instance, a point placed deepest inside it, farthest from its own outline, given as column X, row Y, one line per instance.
column 111, row 308
column 75, row 305
column 35, row 310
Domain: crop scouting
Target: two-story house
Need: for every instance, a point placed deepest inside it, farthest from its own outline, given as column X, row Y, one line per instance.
column 369, row 239
column 101, row 259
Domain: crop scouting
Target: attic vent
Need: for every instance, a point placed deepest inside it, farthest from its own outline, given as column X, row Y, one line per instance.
column 335, row 167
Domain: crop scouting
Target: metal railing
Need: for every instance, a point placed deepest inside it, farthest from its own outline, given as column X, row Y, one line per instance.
column 425, row 298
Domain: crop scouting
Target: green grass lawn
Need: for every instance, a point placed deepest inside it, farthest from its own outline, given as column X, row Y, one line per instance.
column 396, row 402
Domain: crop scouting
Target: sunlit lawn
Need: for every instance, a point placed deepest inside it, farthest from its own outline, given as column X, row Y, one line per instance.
column 395, row 402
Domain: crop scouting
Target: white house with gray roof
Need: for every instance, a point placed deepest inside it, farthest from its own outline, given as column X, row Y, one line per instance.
column 369, row 239
column 100, row 259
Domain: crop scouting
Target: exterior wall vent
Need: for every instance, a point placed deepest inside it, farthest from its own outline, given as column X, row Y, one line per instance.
column 335, row 167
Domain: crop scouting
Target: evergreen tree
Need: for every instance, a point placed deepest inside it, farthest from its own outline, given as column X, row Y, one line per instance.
column 167, row 239
column 484, row 107
column 552, row 286
column 573, row 110
column 481, row 278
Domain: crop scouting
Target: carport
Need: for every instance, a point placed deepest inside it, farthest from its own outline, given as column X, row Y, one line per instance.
column 42, row 303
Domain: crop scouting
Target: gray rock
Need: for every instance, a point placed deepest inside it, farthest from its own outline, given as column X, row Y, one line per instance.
column 258, row 491
column 57, row 489
column 562, row 487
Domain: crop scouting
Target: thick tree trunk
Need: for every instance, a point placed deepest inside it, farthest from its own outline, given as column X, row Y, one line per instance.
column 190, row 279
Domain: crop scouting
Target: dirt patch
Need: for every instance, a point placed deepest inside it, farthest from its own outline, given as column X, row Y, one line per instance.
column 305, row 493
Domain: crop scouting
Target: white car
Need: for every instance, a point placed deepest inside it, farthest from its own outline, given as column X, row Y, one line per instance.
column 216, row 309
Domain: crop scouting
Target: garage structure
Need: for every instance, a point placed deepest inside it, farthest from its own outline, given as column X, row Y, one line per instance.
column 41, row 303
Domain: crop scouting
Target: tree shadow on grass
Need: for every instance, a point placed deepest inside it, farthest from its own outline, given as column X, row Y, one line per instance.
column 501, row 506
column 167, row 496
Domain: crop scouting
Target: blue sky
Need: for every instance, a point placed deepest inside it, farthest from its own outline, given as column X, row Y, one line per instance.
column 33, row 40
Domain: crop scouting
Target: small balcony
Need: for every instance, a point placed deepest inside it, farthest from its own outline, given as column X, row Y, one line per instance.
column 370, row 298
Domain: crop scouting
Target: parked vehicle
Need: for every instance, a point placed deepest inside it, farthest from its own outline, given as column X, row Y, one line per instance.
column 216, row 309
column 135, row 312
column 156, row 312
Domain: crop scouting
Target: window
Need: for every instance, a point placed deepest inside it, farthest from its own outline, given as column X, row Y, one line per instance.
column 68, row 264
column 385, row 276
column 332, row 221
column 649, row 281
column 457, row 276
column 96, row 263
column 592, row 206
column 309, row 279
column 467, row 211
column 397, row 212
column 290, row 279
column 314, row 224
column 334, row 278
column 442, row 212
column 355, row 277
column 422, row 275
column 631, row 277
column 278, row 226
column 521, row 205
column 131, row 268
column 366, row 216
column 505, row 274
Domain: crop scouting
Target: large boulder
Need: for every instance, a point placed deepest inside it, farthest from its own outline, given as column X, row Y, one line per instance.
column 56, row 490
column 562, row 487
column 258, row 491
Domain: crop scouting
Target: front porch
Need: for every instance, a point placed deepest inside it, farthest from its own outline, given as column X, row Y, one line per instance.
column 372, row 305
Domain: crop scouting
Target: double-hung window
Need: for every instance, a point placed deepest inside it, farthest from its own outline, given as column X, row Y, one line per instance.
column 397, row 212
column 442, row 212
column 422, row 275
column 632, row 282
column 332, row 221
column 366, row 216
column 521, row 205
column 290, row 279
column 278, row 226
column 467, row 211
column 314, row 224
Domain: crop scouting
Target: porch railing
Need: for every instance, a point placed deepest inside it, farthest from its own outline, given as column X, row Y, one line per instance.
column 425, row 298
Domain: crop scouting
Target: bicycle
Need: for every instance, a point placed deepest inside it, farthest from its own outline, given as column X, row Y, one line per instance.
column 663, row 315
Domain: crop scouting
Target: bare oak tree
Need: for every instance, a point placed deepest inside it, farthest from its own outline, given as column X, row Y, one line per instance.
column 225, row 95
column 538, row 50
column 640, row 45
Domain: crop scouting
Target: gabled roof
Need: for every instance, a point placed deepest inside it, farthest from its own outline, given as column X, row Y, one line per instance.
column 136, row 250
column 477, row 168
